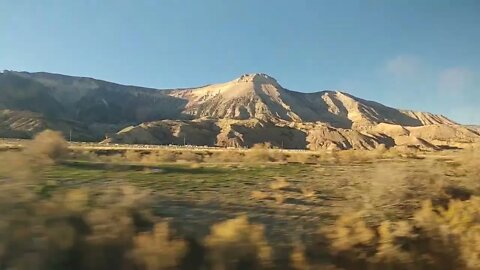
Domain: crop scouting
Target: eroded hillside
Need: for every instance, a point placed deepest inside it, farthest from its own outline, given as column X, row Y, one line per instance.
column 251, row 109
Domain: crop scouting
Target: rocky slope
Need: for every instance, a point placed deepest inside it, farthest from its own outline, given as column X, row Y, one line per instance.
column 253, row 108
column 260, row 96
column 474, row 127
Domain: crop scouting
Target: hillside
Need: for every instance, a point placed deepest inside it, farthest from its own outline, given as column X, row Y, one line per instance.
column 260, row 96
column 253, row 108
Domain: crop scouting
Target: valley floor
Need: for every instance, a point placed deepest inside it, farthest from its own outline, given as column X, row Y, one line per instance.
column 291, row 199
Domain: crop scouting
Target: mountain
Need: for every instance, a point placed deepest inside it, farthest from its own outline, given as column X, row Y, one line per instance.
column 260, row 96
column 84, row 99
column 253, row 108
column 474, row 127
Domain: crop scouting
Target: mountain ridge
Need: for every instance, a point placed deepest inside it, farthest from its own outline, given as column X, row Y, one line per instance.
column 249, row 109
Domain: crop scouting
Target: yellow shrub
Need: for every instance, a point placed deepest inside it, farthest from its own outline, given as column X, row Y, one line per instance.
column 190, row 156
column 279, row 183
column 227, row 156
column 47, row 146
column 237, row 242
column 156, row 250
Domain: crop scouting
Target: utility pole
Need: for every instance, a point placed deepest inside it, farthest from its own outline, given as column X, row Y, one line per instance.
column 184, row 140
column 70, row 135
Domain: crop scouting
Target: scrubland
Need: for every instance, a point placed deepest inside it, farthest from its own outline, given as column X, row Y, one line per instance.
column 65, row 208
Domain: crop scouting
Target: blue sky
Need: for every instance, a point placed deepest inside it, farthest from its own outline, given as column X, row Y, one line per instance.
column 422, row 55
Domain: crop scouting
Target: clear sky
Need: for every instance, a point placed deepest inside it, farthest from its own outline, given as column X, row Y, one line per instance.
column 422, row 55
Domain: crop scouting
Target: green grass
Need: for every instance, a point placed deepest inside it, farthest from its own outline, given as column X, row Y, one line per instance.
column 201, row 193
column 60, row 194
column 169, row 176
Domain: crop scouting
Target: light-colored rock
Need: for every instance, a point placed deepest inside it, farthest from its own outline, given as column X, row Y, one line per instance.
column 253, row 108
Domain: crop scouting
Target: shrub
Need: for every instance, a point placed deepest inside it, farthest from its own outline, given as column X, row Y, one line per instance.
column 16, row 165
column 166, row 156
column 391, row 236
column 258, row 155
column 452, row 234
column 259, row 195
column 436, row 238
column 72, row 229
column 277, row 155
column 307, row 192
column 355, row 156
column 157, row 250
column 302, row 158
column 237, row 244
column 279, row 183
column 190, row 156
column 265, row 145
column 395, row 190
column 227, row 156
column 350, row 234
column 47, row 146
column 132, row 156
column 279, row 198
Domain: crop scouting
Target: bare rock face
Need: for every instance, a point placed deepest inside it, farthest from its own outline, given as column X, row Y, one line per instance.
column 260, row 96
column 259, row 78
column 328, row 138
column 250, row 109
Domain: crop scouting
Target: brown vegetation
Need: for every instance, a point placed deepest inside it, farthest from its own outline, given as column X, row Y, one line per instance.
column 226, row 156
column 47, row 148
column 259, row 153
column 409, row 219
column 157, row 250
column 436, row 238
column 279, row 183
column 237, row 244
column 259, row 195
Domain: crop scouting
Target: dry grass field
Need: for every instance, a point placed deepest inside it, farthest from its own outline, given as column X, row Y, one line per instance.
column 84, row 207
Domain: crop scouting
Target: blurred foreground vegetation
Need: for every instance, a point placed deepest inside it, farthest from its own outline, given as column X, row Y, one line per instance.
column 81, row 209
